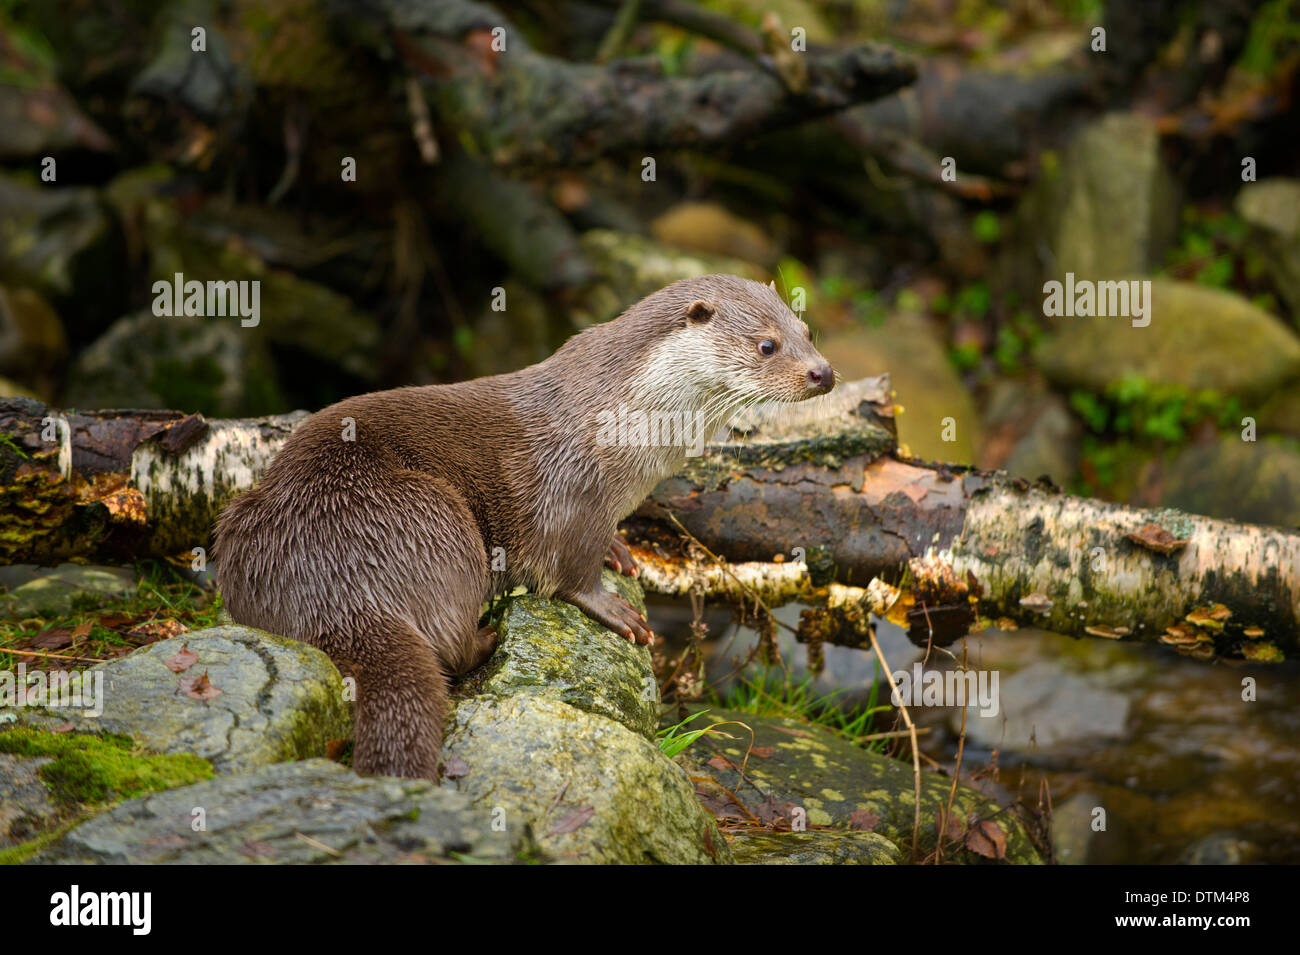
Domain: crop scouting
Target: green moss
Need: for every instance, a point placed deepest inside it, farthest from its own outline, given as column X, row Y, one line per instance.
column 17, row 855
column 98, row 769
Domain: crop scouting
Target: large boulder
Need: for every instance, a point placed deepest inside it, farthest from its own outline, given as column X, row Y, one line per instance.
column 312, row 812
column 551, row 648
column 209, row 365
column 1103, row 208
column 278, row 699
column 557, row 731
column 1272, row 207
column 592, row 790
column 1198, row 338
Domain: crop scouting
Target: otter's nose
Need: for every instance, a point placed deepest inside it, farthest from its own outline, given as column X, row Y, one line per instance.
column 821, row 379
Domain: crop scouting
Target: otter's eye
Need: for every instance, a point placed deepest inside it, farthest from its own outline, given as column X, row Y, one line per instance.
column 767, row 348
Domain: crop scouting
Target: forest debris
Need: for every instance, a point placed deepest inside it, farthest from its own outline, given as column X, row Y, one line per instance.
column 1039, row 603
column 1209, row 617
column 1156, row 538
column 198, row 687
column 987, row 839
column 183, row 660
column 1108, row 632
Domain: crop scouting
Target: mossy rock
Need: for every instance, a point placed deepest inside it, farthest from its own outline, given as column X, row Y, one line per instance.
column 1253, row 481
column 1199, row 338
column 814, row 847
column 56, row 591
column 280, row 699
column 553, row 649
column 312, row 812
column 210, row 365
column 591, row 790
column 837, row 785
column 47, row 778
column 1109, row 209
column 927, row 386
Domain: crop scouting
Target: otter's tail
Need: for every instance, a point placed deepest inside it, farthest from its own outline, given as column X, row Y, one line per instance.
column 402, row 692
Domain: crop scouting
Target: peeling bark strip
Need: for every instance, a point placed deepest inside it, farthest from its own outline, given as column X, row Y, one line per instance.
column 117, row 485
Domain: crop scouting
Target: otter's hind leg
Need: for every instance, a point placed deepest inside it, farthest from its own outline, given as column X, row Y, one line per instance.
column 428, row 589
column 401, row 701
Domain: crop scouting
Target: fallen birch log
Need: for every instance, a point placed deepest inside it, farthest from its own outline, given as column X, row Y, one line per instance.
column 809, row 503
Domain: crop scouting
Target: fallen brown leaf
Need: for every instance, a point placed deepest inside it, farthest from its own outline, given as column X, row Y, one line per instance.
column 863, row 820
column 198, row 687
column 55, row 638
column 574, row 821
column 454, row 767
column 183, row 660
column 987, row 839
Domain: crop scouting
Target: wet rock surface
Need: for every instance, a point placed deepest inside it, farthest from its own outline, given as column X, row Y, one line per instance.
column 822, row 847
column 799, row 768
column 551, row 648
column 312, row 812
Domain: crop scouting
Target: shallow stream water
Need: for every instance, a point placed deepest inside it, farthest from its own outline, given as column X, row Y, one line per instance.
column 1162, row 750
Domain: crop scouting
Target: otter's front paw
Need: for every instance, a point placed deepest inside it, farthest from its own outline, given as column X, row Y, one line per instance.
column 619, row 559
column 614, row 612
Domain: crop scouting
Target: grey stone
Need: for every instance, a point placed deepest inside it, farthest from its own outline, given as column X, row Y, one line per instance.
column 1109, row 210
column 1272, row 207
column 818, row 847
column 1043, row 706
column 280, row 699
column 592, row 790
column 312, row 812
column 553, row 649
column 26, row 808
column 58, row 591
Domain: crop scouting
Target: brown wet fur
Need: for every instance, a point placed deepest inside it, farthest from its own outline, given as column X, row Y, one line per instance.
column 378, row 550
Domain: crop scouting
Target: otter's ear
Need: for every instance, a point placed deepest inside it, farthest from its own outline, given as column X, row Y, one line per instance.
column 700, row 311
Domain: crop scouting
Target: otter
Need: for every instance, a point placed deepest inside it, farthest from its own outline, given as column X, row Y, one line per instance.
column 373, row 533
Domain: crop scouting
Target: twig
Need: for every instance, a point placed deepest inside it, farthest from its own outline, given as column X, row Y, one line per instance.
column 956, row 774
column 907, row 718
column 52, row 656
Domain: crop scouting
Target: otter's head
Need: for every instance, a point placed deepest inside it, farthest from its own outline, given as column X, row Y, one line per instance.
column 737, row 339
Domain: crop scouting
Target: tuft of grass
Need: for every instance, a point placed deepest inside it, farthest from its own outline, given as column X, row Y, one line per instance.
column 776, row 694
column 674, row 739
column 162, row 593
